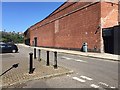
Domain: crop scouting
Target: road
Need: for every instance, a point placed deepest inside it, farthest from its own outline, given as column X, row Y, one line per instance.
column 88, row 72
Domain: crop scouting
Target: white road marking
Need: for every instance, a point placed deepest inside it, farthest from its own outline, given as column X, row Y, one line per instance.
column 73, row 59
column 78, row 79
column 86, row 78
column 68, row 75
column 67, row 58
column 80, row 61
column 105, row 60
column 112, row 87
column 94, row 86
column 103, row 84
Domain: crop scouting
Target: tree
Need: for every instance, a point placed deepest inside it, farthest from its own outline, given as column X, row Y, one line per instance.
column 11, row 37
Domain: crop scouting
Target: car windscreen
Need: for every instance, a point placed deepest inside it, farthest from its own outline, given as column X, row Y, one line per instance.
column 2, row 45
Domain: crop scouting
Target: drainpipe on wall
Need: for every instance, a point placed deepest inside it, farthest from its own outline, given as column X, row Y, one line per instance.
column 101, row 42
column 101, row 37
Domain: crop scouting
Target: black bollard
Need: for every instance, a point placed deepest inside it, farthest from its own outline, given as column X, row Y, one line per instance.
column 31, row 63
column 47, row 58
column 34, row 53
column 39, row 51
column 55, row 60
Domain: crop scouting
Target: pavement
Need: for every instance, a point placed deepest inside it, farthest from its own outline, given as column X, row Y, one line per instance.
column 86, row 54
column 20, row 74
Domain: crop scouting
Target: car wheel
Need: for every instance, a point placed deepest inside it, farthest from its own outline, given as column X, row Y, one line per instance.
column 13, row 51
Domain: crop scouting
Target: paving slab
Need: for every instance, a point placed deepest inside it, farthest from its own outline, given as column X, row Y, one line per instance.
column 21, row 75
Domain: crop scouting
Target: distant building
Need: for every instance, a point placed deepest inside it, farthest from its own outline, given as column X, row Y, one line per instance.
column 73, row 24
column 20, row 33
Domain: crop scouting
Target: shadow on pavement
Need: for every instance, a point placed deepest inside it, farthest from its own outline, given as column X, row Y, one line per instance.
column 13, row 66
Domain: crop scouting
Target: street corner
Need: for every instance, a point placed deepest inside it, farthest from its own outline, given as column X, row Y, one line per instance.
column 41, row 72
column 48, row 72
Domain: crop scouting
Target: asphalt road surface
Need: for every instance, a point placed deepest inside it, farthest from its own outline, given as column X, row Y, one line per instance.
column 88, row 72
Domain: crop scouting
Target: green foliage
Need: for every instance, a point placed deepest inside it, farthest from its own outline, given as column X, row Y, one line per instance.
column 11, row 37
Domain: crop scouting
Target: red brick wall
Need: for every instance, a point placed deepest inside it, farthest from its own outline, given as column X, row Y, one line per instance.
column 79, row 27
column 73, row 30
column 109, row 14
column 44, row 35
column 119, row 12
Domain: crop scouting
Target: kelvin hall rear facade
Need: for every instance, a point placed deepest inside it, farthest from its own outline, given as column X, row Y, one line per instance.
column 75, row 23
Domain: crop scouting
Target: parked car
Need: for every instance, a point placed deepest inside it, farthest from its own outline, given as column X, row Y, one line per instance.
column 8, row 47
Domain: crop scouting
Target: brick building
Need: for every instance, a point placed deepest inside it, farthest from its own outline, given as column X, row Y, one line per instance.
column 119, row 12
column 74, row 23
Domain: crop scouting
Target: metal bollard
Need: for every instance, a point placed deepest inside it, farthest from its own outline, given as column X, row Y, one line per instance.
column 34, row 53
column 31, row 63
column 55, row 60
column 47, row 58
column 39, row 51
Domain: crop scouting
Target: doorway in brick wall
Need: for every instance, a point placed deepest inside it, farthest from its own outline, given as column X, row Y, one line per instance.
column 35, row 41
column 27, row 41
column 111, row 37
column 108, row 38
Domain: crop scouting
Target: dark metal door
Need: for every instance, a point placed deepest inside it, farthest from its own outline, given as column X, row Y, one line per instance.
column 108, row 37
column 35, row 40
